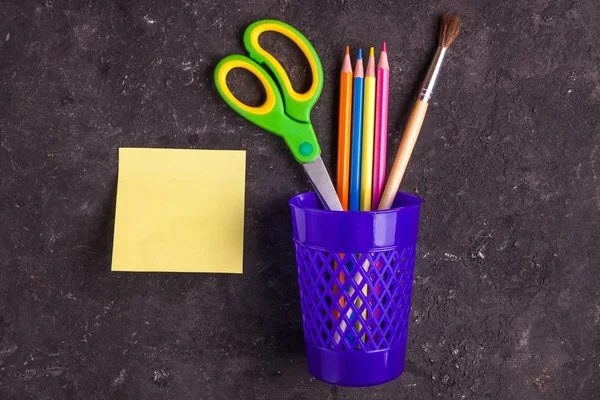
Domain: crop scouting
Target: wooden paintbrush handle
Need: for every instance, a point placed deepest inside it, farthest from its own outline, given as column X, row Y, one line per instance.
column 409, row 138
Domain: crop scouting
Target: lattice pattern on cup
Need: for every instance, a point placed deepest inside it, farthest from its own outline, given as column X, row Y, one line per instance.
column 375, row 321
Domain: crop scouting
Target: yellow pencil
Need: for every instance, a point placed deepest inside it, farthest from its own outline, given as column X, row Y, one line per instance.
column 366, row 173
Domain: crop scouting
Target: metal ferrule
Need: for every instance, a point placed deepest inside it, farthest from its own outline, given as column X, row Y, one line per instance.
column 432, row 75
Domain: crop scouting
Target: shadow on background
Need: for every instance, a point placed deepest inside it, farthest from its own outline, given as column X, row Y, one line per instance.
column 102, row 235
column 280, row 281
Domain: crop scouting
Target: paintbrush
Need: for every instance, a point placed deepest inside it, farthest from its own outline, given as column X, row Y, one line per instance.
column 449, row 29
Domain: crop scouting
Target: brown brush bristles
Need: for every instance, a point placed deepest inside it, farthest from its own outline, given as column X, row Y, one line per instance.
column 449, row 29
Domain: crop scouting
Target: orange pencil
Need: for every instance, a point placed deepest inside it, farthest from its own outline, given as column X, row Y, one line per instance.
column 343, row 161
column 344, row 128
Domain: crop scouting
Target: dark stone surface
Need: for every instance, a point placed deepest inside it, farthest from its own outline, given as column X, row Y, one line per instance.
column 507, row 293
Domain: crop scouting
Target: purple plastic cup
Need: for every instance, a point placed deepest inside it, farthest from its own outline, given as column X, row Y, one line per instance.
column 355, row 273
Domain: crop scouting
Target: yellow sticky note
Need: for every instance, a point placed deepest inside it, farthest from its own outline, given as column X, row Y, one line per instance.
column 179, row 211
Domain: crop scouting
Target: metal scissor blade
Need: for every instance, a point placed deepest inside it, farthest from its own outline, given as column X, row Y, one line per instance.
column 319, row 177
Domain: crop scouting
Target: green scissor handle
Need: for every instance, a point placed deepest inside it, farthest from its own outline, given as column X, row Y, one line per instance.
column 285, row 111
column 297, row 105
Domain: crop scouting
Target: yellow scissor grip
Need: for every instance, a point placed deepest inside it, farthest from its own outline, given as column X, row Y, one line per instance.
column 238, row 62
column 268, row 27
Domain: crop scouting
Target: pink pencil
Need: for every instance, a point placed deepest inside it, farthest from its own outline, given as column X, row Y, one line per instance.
column 381, row 125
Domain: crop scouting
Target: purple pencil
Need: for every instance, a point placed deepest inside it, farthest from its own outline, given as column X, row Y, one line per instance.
column 381, row 125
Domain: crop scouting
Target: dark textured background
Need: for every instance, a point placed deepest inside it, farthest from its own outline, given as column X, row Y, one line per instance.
column 507, row 294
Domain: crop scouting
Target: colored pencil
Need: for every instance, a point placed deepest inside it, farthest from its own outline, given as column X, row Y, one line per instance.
column 381, row 127
column 357, row 116
column 344, row 130
column 343, row 161
column 366, row 168
column 355, row 160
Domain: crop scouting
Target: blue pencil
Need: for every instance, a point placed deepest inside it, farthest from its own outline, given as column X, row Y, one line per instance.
column 357, row 117
column 356, row 150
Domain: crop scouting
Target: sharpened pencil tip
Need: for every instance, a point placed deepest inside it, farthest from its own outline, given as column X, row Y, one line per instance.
column 372, row 52
column 359, row 54
column 384, row 47
column 347, row 49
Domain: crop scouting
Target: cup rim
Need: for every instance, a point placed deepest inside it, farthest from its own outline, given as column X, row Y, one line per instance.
column 415, row 201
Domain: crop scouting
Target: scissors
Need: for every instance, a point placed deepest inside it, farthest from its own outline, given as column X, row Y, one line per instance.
column 285, row 112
